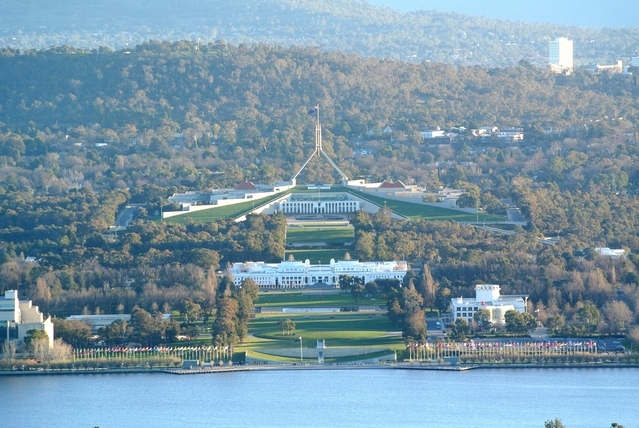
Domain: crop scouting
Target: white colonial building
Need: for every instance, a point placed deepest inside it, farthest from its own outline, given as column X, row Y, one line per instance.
column 298, row 274
column 18, row 317
column 487, row 297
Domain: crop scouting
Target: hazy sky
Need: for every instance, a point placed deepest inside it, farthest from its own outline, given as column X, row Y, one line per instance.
column 584, row 13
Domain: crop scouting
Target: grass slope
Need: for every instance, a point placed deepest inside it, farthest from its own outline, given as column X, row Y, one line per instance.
column 228, row 211
column 425, row 212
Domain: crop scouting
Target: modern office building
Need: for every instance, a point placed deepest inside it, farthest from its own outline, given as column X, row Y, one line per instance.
column 487, row 296
column 18, row 317
column 560, row 54
column 298, row 274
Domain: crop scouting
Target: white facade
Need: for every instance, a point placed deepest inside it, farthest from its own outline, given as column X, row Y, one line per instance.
column 18, row 317
column 512, row 134
column 487, row 296
column 560, row 53
column 298, row 274
column 332, row 203
column 610, row 252
column 432, row 133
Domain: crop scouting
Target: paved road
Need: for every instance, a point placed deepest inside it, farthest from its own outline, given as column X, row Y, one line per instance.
column 126, row 216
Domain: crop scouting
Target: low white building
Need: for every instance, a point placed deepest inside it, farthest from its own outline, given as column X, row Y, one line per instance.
column 487, row 296
column 298, row 274
column 512, row 134
column 325, row 203
column 614, row 253
column 432, row 133
column 18, row 317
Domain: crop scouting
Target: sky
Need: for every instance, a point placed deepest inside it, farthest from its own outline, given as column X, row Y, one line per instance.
column 582, row 13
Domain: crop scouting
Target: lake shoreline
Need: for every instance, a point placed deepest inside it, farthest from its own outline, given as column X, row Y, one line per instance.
column 249, row 368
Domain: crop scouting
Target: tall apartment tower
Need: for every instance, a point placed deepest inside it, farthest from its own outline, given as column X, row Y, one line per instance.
column 560, row 54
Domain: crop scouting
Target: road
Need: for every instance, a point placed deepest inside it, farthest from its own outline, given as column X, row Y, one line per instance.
column 126, row 216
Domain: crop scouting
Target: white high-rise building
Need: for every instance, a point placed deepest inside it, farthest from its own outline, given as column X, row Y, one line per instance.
column 634, row 61
column 560, row 52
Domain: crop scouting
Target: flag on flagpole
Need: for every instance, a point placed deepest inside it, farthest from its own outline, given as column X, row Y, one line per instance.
column 299, row 339
column 314, row 110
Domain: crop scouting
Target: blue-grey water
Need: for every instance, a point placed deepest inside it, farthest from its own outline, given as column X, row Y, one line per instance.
column 581, row 398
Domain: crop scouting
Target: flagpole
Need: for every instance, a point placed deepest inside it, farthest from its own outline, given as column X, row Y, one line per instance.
column 301, row 353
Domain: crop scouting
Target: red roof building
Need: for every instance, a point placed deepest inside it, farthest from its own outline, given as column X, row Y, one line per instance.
column 392, row 185
column 246, row 185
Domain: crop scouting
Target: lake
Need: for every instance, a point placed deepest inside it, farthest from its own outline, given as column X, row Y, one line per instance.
column 325, row 398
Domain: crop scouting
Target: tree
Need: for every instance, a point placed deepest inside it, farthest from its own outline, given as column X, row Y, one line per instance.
column 244, row 311
column 415, row 325
column 225, row 324
column 173, row 330
column 633, row 335
column 618, row 315
column 460, row 329
column 35, row 338
column 191, row 311
column 556, row 323
column 74, row 332
column 395, row 313
column 588, row 317
column 371, row 288
column 482, row 318
column 519, row 323
column 251, row 288
column 364, row 245
column 427, row 287
column 358, row 290
column 553, row 424
column 209, row 287
column 287, row 326
column 9, row 350
column 117, row 332
column 148, row 329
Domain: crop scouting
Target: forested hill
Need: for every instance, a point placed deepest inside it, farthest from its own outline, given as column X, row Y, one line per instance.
column 254, row 91
column 346, row 25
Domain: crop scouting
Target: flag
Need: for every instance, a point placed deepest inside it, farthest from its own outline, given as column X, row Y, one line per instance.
column 314, row 110
column 299, row 339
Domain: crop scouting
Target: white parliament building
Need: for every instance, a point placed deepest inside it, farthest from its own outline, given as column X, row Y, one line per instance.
column 487, row 296
column 298, row 274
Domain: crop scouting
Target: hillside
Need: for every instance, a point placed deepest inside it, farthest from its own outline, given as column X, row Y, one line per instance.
column 345, row 25
column 83, row 134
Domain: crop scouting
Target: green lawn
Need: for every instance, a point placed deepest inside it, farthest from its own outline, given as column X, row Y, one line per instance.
column 324, row 255
column 426, row 212
column 356, row 333
column 331, row 235
column 295, row 298
column 339, row 330
column 227, row 211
